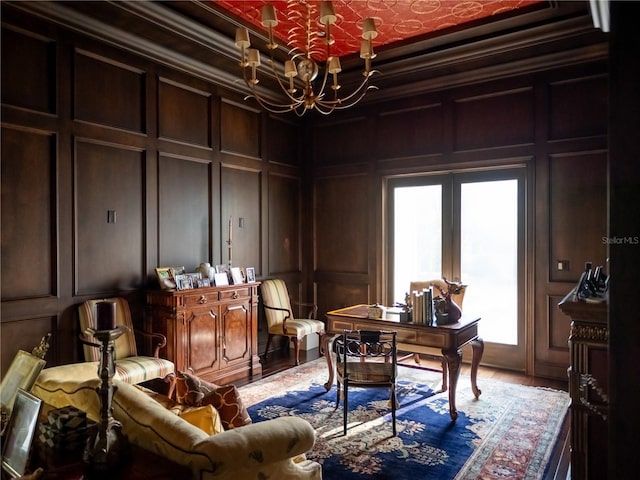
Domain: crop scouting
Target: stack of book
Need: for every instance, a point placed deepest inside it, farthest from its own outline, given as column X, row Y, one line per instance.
column 422, row 302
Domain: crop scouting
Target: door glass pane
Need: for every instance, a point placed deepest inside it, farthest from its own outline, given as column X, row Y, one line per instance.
column 417, row 236
column 489, row 257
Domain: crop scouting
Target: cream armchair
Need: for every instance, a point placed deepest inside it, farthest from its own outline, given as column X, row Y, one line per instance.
column 130, row 367
column 281, row 319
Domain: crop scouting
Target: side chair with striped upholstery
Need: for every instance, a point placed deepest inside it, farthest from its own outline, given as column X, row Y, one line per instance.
column 130, row 367
column 281, row 319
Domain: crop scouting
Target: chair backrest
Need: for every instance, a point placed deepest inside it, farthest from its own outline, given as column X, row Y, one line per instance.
column 125, row 345
column 360, row 345
column 420, row 285
column 274, row 293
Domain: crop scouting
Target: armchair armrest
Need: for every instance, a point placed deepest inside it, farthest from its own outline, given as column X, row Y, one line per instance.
column 258, row 444
column 313, row 312
column 160, row 340
column 284, row 321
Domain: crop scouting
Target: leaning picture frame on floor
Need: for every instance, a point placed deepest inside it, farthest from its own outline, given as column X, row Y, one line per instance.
column 19, row 434
column 22, row 374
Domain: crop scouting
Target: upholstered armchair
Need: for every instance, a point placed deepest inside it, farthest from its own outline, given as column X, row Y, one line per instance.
column 281, row 319
column 130, row 367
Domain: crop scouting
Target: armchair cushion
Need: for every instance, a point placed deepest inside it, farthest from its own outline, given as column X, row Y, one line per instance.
column 193, row 391
column 139, row 369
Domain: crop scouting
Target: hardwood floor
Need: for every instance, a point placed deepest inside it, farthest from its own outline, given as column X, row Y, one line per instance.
column 560, row 459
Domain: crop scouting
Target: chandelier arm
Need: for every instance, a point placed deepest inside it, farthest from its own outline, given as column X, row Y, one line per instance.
column 270, row 106
column 344, row 106
column 359, row 92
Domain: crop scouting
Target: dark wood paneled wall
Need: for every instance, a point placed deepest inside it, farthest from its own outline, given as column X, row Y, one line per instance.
column 90, row 131
column 113, row 165
column 554, row 123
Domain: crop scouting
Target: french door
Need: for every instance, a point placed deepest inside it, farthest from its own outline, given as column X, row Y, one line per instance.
column 467, row 227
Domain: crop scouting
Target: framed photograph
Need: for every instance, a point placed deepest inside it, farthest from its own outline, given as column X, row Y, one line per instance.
column 221, row 279
column 251, row 274
column 236, row 276
column 22, row 374
column 184, row 282
column 224, row 268
column 19, row 434
column 165, row 278
column 203, row 282
column 177, row 271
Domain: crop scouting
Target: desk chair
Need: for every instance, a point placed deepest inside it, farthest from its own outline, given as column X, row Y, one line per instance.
column 130, row 367
column 366, row 358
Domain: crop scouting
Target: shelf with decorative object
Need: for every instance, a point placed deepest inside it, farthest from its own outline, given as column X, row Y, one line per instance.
column 211, row 332
column 588, row 386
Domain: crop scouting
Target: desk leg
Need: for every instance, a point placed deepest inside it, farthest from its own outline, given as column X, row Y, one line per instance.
column 454, row 359
column 326, row 347
column 477, row 346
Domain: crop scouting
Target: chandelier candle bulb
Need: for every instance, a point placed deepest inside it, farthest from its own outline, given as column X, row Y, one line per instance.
column 327, row 14
column 105, row 315
column 369, row 31
column 242, row 42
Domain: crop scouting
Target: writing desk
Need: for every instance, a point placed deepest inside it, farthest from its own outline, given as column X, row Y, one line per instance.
column 415, row 338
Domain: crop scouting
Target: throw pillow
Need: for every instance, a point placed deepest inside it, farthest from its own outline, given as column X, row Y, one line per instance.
column 205, row 418
column 190, row 389
column 226, row 400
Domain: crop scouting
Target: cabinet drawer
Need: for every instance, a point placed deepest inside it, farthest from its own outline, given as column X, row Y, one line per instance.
column 235, row 293
column 204, row 298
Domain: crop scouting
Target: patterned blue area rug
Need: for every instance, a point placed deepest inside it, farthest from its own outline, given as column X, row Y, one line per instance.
column 509, row 432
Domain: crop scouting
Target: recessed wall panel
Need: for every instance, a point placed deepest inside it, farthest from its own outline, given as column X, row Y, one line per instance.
column 109, row 226
column 410, row 132
column 284, row 224
column 240, row 193
column 495, row 120
column 559, row 325
column 342, row 224
column 577, row 213
column 578, row 108
column 240, row 130
column 28, row 253
column 184, row 216
column 341, row 142
column 28, row 71
column 284, row 138
column 184, row 114
column 108, row 93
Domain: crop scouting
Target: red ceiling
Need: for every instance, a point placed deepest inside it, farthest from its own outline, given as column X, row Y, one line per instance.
column 395, row 20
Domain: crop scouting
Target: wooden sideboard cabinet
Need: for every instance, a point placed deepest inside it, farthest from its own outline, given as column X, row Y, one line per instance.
column 211, row 332
column 588, row 387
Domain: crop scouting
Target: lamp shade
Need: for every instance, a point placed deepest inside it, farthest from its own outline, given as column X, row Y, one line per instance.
column 254, row 57
column 369, row 31
column 327, row 14
column 334, row 65
column 269, row 18
column 242, row 38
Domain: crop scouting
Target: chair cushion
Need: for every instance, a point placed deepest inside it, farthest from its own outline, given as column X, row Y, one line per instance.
column 206, row 418
column 298, row 327
column 367, row 372
column 139, row 369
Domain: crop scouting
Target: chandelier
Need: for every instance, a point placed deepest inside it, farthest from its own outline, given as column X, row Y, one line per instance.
column 310, row 39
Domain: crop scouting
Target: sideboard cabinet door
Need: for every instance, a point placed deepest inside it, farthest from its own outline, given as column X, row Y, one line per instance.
column 211, row 332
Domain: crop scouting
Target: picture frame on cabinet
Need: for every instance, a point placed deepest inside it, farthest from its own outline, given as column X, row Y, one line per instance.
column 251, row 274
column 184, row 282
column 165, row 278
column 236, row 275
column 221, row 279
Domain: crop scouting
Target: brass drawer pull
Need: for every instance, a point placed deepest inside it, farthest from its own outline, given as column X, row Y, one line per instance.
column 235, row 295
column 202, row 300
